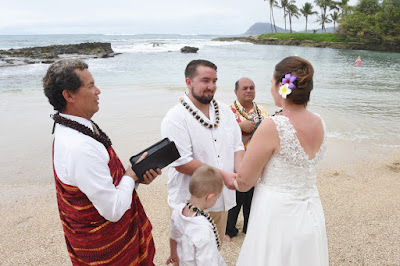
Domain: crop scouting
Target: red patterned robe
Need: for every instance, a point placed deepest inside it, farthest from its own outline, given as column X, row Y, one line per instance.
column 93, row 240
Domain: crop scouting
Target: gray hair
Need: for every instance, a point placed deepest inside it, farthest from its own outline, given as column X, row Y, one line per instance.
column 61, row 76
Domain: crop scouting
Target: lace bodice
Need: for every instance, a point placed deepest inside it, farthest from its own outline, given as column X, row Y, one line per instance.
column 291, row 170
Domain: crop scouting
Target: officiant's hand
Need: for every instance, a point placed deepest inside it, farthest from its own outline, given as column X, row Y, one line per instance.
column 247, row 126
column 149, row 175
column 228, row 179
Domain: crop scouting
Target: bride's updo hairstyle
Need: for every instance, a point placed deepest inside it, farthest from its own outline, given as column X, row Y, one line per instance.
column 304, row 72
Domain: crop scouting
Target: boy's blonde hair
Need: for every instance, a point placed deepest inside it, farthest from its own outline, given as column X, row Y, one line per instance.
column 205, row 180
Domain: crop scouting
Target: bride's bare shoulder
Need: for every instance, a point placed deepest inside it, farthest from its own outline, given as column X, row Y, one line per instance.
column 268, row 126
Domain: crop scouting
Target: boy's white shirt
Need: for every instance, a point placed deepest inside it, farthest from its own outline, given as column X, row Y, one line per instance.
column 196, row 243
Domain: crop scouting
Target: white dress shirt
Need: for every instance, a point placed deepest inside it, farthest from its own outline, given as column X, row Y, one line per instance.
column 196, row 243
column 215, row 147
column 82, row 161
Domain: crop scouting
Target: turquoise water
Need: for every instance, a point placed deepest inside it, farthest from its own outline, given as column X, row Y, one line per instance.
column 358, row 103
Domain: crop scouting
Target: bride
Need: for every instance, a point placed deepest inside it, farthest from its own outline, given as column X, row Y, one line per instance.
column 286, row 224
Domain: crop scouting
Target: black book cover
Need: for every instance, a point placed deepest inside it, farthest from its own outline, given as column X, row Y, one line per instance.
column 159, row 155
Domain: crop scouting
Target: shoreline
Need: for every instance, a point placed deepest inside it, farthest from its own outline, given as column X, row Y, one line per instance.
column 309, row 43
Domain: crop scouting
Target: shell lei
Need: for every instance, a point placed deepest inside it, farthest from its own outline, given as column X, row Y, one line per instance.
column 244, row 115
column 198, row 117
column 208, row 217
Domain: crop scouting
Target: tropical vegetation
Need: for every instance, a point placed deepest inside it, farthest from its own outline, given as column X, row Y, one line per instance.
column 307, row 10
column 323, row 37
column 373, row 21
column 291, row 10
column 370, row 21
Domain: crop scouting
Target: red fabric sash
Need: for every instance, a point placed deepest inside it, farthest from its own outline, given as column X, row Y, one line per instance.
column 91, row 239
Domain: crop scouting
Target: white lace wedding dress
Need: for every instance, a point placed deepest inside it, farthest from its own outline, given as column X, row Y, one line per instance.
column 287, row 224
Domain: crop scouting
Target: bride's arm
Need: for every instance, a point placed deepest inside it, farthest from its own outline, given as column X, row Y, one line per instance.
column 264, row 143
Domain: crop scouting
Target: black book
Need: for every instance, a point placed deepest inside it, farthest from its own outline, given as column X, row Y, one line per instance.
column 159, row 155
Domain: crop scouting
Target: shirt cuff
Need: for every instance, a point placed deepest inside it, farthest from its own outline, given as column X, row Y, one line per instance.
column 181, row 161
column 239, row 148
column 128, row 182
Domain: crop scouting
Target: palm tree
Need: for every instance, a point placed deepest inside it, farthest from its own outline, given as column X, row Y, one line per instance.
column 284, row 6
column 272, row 3
column 323, row 5
column 344, row 7
column 322, row 19
column 307, row 11
column 293, row 11
column 335, row 17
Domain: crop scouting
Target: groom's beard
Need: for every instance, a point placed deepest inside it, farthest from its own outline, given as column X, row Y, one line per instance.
column 202, row 98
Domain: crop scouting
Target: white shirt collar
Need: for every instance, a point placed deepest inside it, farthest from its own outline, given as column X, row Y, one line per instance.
column 79, row 119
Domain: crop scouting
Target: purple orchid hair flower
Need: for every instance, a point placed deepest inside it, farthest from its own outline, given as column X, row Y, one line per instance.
column 289, row 79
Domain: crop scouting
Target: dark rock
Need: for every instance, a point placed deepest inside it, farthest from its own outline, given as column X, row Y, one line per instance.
column 189, row 49
column 49, row 54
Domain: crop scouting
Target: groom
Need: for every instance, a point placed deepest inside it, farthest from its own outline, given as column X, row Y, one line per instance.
column 206, row 133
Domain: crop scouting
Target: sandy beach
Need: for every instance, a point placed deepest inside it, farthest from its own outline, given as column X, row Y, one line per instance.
column 360, row 198
column 359, row 184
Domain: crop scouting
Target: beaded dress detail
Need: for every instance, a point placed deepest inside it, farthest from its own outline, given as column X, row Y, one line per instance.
column 291, row 170
column 289, row 228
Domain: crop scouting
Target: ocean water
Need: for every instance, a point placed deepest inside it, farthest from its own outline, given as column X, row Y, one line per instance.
column 359, row 104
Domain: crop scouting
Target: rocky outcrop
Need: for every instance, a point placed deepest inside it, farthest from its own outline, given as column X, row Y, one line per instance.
column 49, row 54
column 309, row 43
column 189, row 49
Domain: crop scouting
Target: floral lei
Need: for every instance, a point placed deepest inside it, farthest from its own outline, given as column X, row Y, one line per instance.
column 198, row 117
column 208, row 217
column 287, row 85
column 244, row 115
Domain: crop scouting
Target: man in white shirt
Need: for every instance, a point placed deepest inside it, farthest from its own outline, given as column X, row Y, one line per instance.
column 206, row 133
column 102, row 217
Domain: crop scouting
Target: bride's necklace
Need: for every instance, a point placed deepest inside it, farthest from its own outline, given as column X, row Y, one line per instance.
column 208, row 217
column 198, row 117
column 244, row 115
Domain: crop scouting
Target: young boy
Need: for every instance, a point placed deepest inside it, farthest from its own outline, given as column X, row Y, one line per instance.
column 194, row 238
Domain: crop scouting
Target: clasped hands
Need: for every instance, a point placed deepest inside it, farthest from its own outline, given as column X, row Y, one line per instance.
column 230, row 180
column 149, row 175
column 247, row 127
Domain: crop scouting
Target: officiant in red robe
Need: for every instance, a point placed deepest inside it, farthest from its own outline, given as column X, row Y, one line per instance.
column 103, row 220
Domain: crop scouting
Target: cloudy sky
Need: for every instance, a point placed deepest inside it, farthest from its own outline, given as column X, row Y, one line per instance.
column 140, row 16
